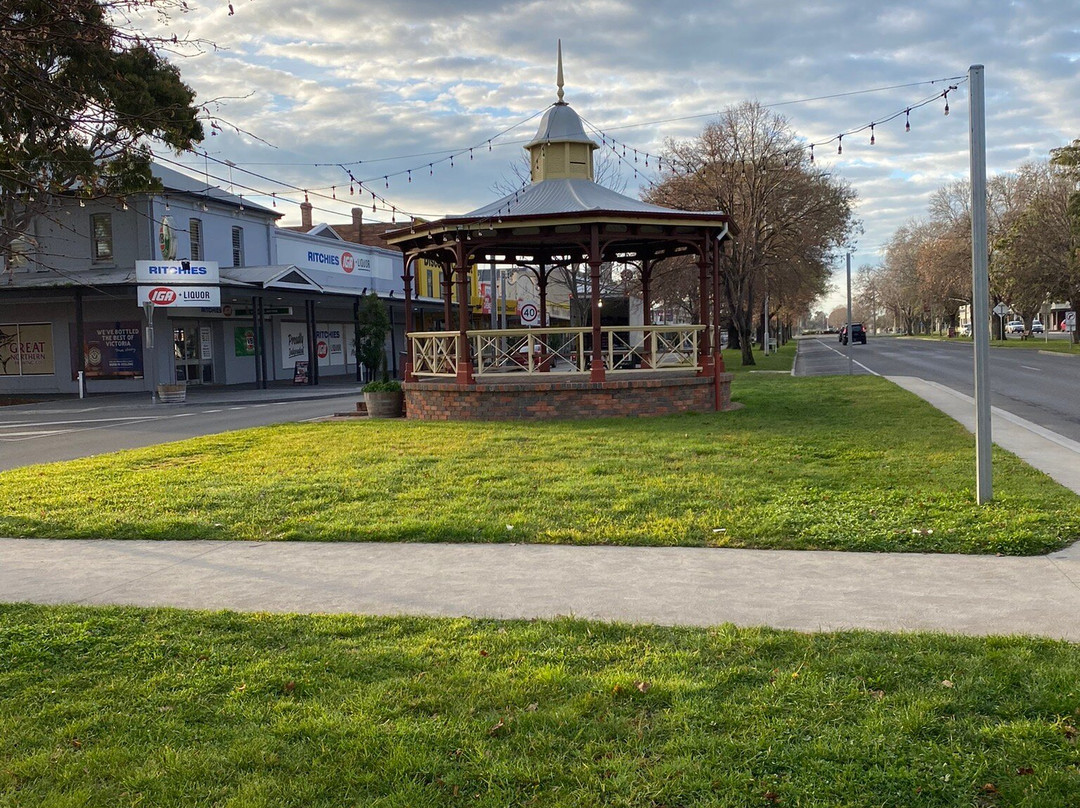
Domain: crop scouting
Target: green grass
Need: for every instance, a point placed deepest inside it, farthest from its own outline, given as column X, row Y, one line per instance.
column 836, row 463
column 126, row 707
column 1035, row 343
column 779, row 360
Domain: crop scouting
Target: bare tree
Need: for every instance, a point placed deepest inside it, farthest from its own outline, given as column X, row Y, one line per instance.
column 792, row 216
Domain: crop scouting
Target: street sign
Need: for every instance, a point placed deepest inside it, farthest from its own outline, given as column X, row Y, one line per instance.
column 529, row 313
column 1070, row 321
column 1001, row 309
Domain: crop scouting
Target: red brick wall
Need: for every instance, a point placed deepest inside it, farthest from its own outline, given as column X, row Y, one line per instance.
column 446, row 401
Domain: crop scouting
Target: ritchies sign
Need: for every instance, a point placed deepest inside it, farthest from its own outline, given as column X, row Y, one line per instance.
column 173, row 272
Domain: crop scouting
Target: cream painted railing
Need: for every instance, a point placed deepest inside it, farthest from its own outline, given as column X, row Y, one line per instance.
column 559, row 350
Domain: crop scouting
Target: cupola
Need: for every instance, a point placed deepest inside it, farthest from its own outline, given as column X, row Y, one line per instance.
column 561, row 149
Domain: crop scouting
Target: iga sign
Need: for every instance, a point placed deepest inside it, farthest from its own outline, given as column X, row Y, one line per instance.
column 180, row 296
column 174, row 272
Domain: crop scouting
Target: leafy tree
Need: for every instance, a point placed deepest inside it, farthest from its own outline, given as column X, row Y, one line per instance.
column 371, row 336
column 792, row 215
column 1067, row 161
column 83, row 96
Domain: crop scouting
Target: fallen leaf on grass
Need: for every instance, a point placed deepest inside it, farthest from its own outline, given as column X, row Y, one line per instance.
column 498, row 728
column 1025, row 770
column 947, row 683
column 643, row 686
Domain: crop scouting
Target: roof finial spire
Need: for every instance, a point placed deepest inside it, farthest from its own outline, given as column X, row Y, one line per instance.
column 559, row 78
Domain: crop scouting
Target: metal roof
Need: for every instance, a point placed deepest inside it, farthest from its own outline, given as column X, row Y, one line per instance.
column 563, row 196
column 561, row 124
column 182, row 183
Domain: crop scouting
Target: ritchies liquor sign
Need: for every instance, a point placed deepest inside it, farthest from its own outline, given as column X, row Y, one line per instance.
column 174, row 284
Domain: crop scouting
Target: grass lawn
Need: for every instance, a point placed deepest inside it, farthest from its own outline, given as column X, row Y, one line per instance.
column 1035, row 343
column 842, row 463
column 126, row 707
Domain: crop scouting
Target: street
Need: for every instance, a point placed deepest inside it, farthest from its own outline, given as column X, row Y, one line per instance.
column 70, row 428
column 1040, row 387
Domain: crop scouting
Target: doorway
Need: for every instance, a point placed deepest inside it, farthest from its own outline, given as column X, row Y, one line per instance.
column 193, row 352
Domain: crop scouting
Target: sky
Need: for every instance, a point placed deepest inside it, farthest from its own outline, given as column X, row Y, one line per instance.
column 308, row 93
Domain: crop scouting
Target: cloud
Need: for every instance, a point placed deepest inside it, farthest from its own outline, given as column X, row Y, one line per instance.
column 396, row 86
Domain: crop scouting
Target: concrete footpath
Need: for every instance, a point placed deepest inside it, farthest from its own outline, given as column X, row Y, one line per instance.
column 809, row 591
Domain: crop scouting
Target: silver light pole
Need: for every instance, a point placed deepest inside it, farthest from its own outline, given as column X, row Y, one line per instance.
column 980, row 285
column 850, row 341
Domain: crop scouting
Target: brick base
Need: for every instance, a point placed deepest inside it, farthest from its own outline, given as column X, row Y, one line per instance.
column 543, row 400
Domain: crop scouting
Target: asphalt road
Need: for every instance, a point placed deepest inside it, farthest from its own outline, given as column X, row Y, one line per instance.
column 1043, row 388
column 72, row 428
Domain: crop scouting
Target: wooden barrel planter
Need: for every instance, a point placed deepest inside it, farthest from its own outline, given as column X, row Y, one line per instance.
column 384, row 403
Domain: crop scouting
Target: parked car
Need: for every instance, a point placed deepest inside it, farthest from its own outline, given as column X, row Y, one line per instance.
column 1036, row 327
column 1014, row 327
column 858, row 334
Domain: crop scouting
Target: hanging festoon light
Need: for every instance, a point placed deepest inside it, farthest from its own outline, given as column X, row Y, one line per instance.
column 839, row 144
column 811, row 152
column 333, row 191
column 907, row 119
column 945, row 95
column 873, row 140
column 409, row 172
column 273, row 199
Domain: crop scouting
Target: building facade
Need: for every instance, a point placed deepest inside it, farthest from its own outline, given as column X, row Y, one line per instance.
column 72, row 307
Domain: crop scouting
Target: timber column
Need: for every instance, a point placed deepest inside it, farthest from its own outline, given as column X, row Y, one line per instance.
column 596, row 370
column 410, row 261
column 705, row 358
column 464, row 359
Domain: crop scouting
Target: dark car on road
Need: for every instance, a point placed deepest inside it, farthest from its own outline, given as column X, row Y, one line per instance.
column 858, row 334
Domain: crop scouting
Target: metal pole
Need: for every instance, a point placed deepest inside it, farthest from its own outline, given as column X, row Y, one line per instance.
column 850, row 341
column 980, row 285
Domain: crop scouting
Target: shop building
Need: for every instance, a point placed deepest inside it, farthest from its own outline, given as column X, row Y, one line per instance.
column 79, row 301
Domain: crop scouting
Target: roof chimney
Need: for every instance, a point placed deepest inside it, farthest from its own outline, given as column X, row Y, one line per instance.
column 358, row 222
column 305, row 215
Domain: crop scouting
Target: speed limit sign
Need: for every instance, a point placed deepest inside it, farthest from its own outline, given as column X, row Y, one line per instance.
column 529, row 313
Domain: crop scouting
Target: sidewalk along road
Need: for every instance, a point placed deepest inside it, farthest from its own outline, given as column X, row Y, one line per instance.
column 806, row 591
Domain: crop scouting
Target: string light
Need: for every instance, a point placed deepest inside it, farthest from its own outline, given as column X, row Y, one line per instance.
column 872, row 139
column 907, row 120
column 840, row 144
column 945, row 95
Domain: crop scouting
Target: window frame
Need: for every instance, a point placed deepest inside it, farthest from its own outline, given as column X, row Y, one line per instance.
column 98, row 256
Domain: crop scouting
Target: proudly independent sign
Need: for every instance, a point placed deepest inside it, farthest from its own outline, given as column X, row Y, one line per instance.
column 176, row 272
column 170, row 296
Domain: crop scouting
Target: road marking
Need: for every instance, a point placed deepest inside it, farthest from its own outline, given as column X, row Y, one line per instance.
column 854, row 361
column 207, row 412
column 1028, row 367
column 95, row 421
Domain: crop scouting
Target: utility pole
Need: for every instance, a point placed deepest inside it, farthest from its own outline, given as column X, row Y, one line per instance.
column 980, row 286
column 850, row 341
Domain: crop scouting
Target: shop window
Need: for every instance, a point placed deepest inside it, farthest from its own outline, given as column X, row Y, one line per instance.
column 101, row 237
column 195, row 234
column 238, row 246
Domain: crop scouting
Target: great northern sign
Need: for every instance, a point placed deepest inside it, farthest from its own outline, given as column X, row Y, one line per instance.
column 169, row 296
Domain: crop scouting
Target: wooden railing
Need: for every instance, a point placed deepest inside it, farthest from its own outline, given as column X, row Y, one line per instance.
column 559, row 350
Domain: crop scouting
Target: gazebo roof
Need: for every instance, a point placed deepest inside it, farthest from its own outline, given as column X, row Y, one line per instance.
column 563, row 196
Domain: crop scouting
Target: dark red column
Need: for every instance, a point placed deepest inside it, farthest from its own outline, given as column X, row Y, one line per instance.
column 464, row 360
column 596, row 370
column 410, row 262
